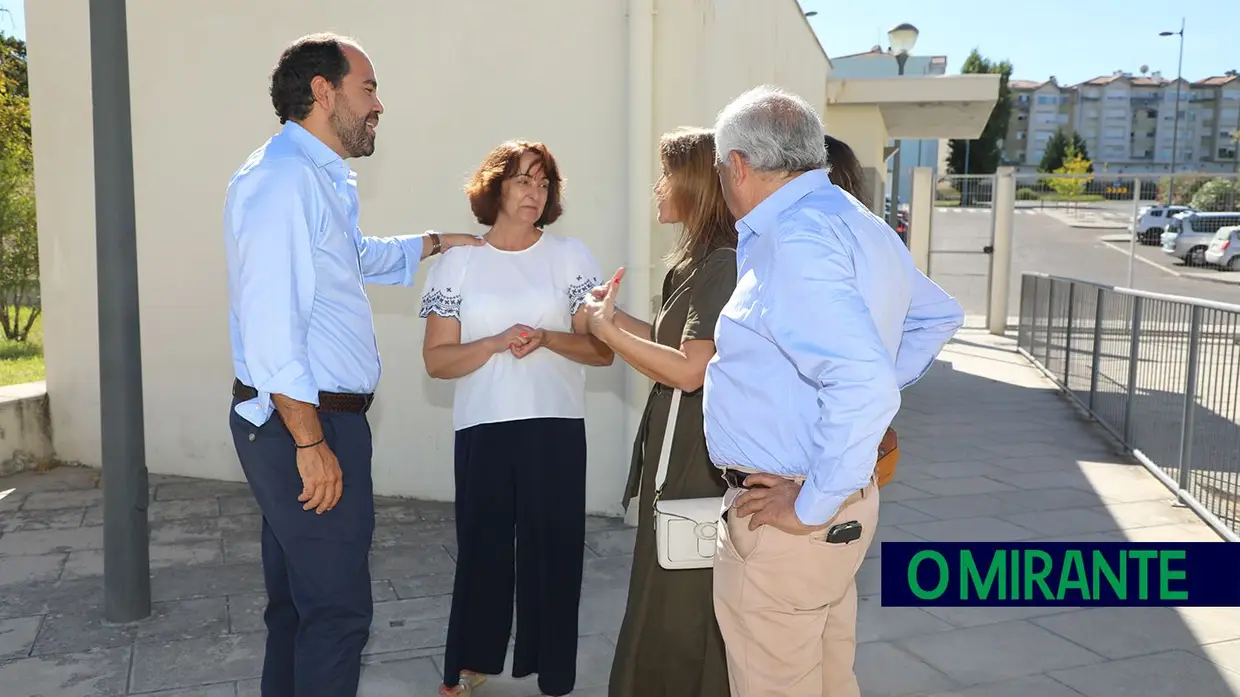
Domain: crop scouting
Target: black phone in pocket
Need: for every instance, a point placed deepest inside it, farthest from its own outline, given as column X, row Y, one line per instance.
column 844, row 532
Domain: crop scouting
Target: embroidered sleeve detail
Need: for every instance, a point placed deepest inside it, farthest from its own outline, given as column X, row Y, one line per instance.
column 578, row 290
column 445, row 303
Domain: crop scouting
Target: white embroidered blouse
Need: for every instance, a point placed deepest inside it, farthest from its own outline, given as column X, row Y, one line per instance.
column 488, row 290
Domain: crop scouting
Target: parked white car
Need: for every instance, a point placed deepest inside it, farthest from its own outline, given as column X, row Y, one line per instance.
column 1152, row 220
column 1224, row 250
column 1188, row 235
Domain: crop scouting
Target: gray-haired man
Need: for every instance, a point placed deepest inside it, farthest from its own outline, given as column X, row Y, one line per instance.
column 830, row 319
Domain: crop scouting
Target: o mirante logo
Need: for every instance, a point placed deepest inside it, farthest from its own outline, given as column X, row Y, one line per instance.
column 1074, row 575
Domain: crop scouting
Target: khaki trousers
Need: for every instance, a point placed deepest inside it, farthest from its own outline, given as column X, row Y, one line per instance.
column 787, row 604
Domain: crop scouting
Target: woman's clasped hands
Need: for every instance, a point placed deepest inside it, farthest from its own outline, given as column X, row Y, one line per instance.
column 520, row 339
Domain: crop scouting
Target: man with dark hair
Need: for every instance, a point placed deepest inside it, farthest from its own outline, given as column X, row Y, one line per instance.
column 304, row 349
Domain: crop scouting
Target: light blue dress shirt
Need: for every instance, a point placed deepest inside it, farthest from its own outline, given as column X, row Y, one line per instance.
column 830, row 319
column 299, row 318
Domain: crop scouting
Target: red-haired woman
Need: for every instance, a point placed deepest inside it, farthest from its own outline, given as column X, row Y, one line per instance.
column 504, row 321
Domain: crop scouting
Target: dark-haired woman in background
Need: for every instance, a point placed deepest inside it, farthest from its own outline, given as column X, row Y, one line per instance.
column 844, row 170
column 504, row 321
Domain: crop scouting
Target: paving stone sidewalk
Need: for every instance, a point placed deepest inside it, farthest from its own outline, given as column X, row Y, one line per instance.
column 990, row 453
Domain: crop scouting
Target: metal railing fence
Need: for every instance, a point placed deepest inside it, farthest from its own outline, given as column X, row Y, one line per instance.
column 1161, row 373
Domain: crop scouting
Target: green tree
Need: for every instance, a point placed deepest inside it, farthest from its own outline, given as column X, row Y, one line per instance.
column 983, row 155
column 1056, row 152
column 19, row 240
column 13, row 58
column 1074, row 163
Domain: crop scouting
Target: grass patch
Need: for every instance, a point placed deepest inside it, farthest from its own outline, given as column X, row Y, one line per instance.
column 22, row 361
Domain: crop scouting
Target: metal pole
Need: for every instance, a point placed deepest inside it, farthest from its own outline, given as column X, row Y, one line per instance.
column 1136, row 218
column 1050, row 324
column 1190, row 397
column 1134, row 355
column 126, row 551
column 894, row 214
column 1099, row 321
column 1175, row 127
column 1067, row 342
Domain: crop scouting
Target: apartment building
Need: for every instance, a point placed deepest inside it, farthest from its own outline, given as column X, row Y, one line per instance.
column 1129, row 123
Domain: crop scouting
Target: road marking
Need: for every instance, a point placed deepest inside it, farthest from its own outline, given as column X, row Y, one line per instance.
column 1019, row 211
column 1138, row 257
column 1205, row 278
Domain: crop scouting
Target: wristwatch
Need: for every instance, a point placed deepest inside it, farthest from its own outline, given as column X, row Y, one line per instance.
column 436, row 244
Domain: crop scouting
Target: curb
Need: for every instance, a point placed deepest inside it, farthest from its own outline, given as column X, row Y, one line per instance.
column 1098, row 226
column 1178, row 274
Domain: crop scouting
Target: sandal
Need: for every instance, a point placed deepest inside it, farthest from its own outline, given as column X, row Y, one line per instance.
column 468, row 681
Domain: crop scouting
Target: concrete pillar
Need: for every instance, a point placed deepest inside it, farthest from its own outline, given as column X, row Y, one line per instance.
column 921, row 208
column 875, row 187
column 1001, row 257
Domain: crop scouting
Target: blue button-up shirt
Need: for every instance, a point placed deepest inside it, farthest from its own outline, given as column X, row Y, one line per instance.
column 830, row 319
column 299, row 318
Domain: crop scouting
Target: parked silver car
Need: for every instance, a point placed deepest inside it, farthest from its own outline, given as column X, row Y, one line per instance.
column 1224, row 250
column 1188, row 235
column 1151, row 220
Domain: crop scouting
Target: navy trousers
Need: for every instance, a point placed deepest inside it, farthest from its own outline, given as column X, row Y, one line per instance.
column 520, row 527
column 317, row 567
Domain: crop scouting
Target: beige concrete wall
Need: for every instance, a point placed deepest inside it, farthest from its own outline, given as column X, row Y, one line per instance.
column 708, row 52
column 456, row 79
column 25, row 428
column 863, row 129
column 58, row 50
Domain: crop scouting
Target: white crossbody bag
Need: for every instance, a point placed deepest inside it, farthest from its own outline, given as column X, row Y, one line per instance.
column 685, row 529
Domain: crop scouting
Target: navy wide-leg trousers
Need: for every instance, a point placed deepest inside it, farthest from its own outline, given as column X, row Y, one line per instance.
column 520, row 530
column 316, row 566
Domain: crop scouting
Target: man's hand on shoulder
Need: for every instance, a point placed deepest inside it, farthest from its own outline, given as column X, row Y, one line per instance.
column 460, row 239
column 439, row 242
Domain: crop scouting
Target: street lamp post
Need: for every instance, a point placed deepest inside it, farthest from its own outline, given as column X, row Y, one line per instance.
column 126, row 537
column 901, row 38
column 1175, row 126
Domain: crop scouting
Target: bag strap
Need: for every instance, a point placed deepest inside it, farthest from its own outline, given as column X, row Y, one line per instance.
column 665, row 452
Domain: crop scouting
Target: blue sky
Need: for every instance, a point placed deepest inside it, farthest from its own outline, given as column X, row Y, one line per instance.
column 1073, row 40
column 13, row 23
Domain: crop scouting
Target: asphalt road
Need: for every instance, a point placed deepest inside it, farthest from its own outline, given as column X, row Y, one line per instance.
column 1154, row 257
column 1043, row 244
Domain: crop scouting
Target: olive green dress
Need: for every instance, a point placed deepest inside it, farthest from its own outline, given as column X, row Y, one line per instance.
column 669, row 643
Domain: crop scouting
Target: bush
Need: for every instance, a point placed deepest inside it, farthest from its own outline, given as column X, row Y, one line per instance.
column 1216, row 195
column 1024, row 193
column 1186, row 186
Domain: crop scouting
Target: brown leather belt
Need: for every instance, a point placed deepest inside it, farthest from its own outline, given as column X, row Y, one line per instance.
column 735, row 478
column 345, row 402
